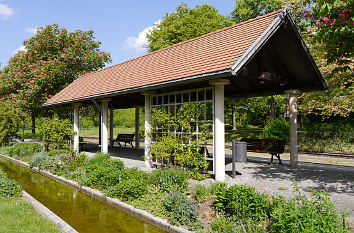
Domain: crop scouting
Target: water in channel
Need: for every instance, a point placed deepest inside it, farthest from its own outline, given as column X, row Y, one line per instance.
column 84, row 213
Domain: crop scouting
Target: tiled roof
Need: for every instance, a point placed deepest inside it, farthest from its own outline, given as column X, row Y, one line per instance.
column 213, row 52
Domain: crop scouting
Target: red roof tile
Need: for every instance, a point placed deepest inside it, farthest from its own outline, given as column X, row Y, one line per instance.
column 213, row 52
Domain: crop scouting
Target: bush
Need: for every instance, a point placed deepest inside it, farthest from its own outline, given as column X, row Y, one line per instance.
column 243, row 202
column 23, row 149
column 8, row 187
column 201, row 193
column 170, row 179
column 56, row 133
column 277, row 128
column 11, row 121
column 101, row 172
column 57, row 152
column 231, row 225
column 43, row 161
column 182, row 211
column 302, row 215
column 132, row 185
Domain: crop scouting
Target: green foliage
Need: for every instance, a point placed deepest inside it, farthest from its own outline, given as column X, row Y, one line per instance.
column 243, row 202
column 201, row 193
column 23, row 149
column 182, row 211
column 249, row 9
column 53, row 58
column 277, row 128
column 300, row 214
column 11, row 121
column 332, row 22
column 43, row 161
column 101, row 172
column 226, row 224
column 56, row 133
column 185, row 24
column 57, row 152
column 133, row 186
column 29, row 135
column 170, row 179
column 9, row 187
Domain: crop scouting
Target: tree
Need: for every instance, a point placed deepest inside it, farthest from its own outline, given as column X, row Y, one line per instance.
column 332, row 22
column 249, row 9
column 185, row 24
column 52, row 59
column 11, row 121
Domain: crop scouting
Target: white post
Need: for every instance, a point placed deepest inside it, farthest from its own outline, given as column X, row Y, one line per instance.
column 111, row 115
column 219, row 132
column 137, row 127
column 147, row 153
column 293, row 126
column 104, row 138
column 76, row 127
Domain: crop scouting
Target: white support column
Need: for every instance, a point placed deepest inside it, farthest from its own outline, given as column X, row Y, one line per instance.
column 104, row 138
column 148, row 141
column 111, row 115
column 219, row 132
column 293, row 126
column 137, row 127
column 76, row 127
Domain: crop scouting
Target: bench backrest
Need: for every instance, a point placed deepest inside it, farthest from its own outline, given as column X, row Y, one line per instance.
column 125, row 136
column 265, row 145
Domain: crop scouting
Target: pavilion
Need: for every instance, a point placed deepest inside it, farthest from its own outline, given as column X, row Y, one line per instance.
column 259, row 57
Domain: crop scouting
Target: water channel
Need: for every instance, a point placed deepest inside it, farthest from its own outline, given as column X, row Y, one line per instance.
column 84, row 213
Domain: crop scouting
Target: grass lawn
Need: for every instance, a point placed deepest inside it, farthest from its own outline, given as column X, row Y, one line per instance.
column 16, row 215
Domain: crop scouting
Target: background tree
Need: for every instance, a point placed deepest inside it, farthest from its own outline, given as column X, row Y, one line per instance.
column 185, row 24
column 11, row 121
column 52, row 59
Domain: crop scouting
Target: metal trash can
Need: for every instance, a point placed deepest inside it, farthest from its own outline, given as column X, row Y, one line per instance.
column 240, row 150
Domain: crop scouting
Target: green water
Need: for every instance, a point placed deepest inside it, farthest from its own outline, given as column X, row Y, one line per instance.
column 84, row 213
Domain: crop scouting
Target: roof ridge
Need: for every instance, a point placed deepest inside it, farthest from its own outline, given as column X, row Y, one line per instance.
column 188, row 41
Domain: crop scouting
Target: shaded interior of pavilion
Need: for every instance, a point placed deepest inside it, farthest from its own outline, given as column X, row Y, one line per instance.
column 277, row 63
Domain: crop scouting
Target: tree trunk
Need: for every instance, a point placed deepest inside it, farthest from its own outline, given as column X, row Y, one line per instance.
column 272, row 108
column 233, row 116
column 33, row 123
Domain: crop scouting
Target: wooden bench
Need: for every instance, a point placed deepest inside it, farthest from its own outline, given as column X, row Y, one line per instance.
column 126, row 138
column 272, row 146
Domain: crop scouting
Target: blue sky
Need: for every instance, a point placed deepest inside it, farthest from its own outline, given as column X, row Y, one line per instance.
column 119, row 25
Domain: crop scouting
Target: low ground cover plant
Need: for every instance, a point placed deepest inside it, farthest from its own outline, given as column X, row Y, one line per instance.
column 23, row 149
column 170, row 179
column 9, row 187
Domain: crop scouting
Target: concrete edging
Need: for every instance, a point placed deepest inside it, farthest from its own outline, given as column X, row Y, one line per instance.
column 48, row 214
column 127, row 208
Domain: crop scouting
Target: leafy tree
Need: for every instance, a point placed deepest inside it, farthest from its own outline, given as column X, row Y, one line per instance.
column 185, row 24
column 52, row 59
column 11, row 121
column 332, row 22
column 248, row 9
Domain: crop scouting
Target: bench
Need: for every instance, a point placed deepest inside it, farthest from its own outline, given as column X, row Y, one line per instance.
column 272, row 146
column 126, row 138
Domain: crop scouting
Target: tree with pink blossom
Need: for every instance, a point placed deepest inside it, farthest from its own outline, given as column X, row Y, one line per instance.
column 52, row 59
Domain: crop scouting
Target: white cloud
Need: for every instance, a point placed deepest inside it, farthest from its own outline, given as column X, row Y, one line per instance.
column 5, row 11
column 32, row 30
column 137, row 43
column 21, row 48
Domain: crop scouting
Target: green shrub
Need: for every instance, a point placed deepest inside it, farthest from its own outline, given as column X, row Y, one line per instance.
column 231, row 225
column 170, row 179
column 243, row 202
column 9, row 187
column 30, row 135
column 23, row 149
column 11, row 121
column 43, row 161
column 302, row 215
column 277, row 128
column 217, row 187
column 182, row 211
column 101, row 172
column 201, row 193
column 57, row 152
column 128, row 189
column 56, row 133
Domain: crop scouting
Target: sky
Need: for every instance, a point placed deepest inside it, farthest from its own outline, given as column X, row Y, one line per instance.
column 119, row 25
